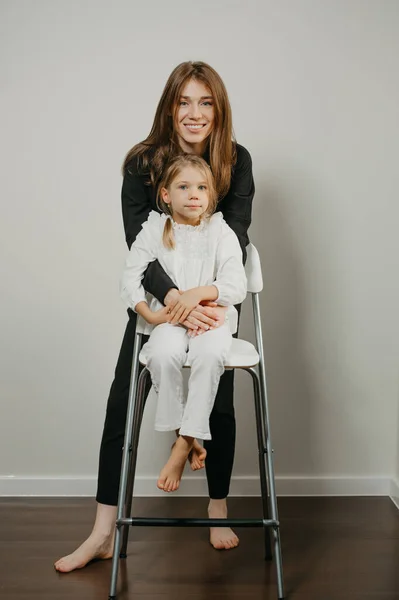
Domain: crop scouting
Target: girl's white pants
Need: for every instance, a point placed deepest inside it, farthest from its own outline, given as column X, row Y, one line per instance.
column 167, row 350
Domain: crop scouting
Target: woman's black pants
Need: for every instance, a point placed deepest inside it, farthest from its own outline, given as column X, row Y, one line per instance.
column 220, row 449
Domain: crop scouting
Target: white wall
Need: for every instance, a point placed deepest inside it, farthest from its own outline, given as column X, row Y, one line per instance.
column 315, row 98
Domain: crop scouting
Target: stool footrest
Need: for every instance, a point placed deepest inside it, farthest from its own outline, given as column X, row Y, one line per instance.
column 180, row 522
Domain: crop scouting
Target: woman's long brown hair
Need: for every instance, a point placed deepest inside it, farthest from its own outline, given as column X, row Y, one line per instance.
column 162, row 143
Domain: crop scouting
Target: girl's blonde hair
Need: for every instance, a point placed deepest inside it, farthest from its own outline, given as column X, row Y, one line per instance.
column 172, row 170
column 162, row 143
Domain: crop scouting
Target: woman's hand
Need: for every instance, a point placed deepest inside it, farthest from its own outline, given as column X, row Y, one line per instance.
column 218, row 311
column 206, row 318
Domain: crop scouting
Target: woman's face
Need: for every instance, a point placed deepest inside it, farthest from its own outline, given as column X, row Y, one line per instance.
column 195, row 117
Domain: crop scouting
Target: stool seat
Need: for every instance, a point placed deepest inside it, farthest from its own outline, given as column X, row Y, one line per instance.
column 242, row 355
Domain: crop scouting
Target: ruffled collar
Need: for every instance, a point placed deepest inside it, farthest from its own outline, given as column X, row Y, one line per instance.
column 183, row 226
column 213, row 219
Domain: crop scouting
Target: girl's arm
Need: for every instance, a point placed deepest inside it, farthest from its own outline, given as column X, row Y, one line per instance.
column 236, row 206
column 154, row 317
column 231, row 281
column 136, row 206
column 142, row 252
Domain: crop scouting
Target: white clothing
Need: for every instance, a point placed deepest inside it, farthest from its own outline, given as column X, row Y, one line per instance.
column 166, row 353
column 207, row 254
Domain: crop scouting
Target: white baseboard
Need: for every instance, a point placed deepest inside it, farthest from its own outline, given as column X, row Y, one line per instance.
column 395, row 491
column 196, row 486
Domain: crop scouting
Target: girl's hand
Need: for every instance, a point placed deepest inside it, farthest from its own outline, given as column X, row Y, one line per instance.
column 184, row 305
column 172, row 297
column 160, row 316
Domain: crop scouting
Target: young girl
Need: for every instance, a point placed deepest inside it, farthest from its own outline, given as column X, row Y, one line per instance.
column 200, row 252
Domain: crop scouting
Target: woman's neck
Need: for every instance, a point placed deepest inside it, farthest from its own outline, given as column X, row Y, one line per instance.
column 198, row 149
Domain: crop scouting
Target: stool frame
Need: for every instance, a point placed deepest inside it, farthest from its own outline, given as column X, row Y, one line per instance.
column 135, row 411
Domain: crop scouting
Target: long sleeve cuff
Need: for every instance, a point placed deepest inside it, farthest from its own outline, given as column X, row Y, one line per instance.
column 132, row 300
column 231, row 294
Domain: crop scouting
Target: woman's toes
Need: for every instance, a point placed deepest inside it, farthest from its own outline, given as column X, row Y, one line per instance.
column 59, row 565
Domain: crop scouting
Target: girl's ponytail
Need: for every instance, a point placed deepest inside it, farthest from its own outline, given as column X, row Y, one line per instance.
column 168, row 238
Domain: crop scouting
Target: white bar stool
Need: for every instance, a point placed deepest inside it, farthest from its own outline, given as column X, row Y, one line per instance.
column 243, row 355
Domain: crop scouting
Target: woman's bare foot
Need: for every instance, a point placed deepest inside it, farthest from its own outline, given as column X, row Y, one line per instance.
column 99, row 544
column 94, row 547
column 221, row 538
column 171, row 474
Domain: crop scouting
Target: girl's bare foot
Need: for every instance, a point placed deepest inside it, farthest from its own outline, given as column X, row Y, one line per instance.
column 96, row 546
column 171, row 474
column 197, row 456
column 221, row 538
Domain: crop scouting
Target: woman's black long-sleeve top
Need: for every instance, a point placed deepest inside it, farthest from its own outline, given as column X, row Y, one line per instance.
column 139, row 199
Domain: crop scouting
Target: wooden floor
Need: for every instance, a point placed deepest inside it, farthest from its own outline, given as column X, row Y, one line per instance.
column 333, row 549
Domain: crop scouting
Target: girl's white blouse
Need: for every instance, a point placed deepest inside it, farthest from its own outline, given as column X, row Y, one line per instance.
column 206, row 254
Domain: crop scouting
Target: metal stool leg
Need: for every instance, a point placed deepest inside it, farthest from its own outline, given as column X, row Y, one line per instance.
column 133, row 447
column 125, row 463
column 262, row 467
column 269, row 451
column 273, row 500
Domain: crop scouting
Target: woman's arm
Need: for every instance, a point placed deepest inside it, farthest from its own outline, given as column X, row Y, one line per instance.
column 136, row 207
column 236, row 206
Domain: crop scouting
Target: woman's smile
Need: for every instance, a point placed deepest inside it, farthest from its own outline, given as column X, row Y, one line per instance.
column 193, row 127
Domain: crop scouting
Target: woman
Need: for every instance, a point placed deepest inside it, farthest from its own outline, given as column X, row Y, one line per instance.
column 193, row 116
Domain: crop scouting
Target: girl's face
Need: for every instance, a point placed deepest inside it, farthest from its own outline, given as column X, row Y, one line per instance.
column 195, row 117
column 188, row 196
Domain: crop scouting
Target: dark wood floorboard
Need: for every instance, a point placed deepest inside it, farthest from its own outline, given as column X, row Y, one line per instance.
column 333, row 549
